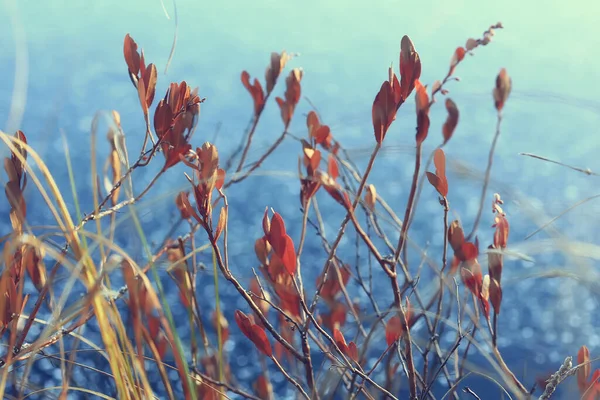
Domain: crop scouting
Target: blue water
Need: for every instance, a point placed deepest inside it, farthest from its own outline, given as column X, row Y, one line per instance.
column 74, row 67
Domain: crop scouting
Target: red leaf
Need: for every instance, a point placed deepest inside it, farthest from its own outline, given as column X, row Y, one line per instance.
column 277, row 234
column 340, row 341
column 339, row 196
column 438, row 181
column 132, row 58
column 173, row 156
column 141, row 87
column 451, row 121
column 254, row 332
column 458, row 56
column 583, row 357
column 472, row 276
column 384, row 111
column 244, row 323
column 220, row 178
column 439, row 160
column 332, row 167
column 289, row 255
column 308, row 188
column 501, row 232
column 323, row 136
column 312, row 158
column 434, row 180
column 469, row 251
column 393, row 330
column 262, row 387
column 337, row 317
column 289, row 298
column 353, row 351
column 395, row 88
column 312, row 122
column 332, row 287
column 593, row 393
column 410, row 67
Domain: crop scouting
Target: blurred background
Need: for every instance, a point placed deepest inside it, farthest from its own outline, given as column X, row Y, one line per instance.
column 62, row 61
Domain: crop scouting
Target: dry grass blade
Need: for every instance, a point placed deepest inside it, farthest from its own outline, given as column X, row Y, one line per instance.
column 586, row 171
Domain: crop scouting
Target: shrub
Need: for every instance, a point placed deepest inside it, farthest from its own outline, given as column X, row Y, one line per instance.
column 322, row 340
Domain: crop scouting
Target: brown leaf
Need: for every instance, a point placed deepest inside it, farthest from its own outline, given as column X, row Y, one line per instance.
column 434, row 180
column 451, row 121
column 471, row 44
column 273, row 71
column 34, row 264
column 150, row 77
column 256, row 91
column 422, row 102
column 292, row 96
column 182, row 202
column 222, row 321
column 141, row 87
column 456, row 236
column 221, row 174
column 293, row 89
column 495, row 289
column 495, row 263
column 262, row 249
column 266, row 222
column 286, row 111
column 502, row 89
column 258, row 294
column 371, row 197
column 221, row 223
column 439, row 160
